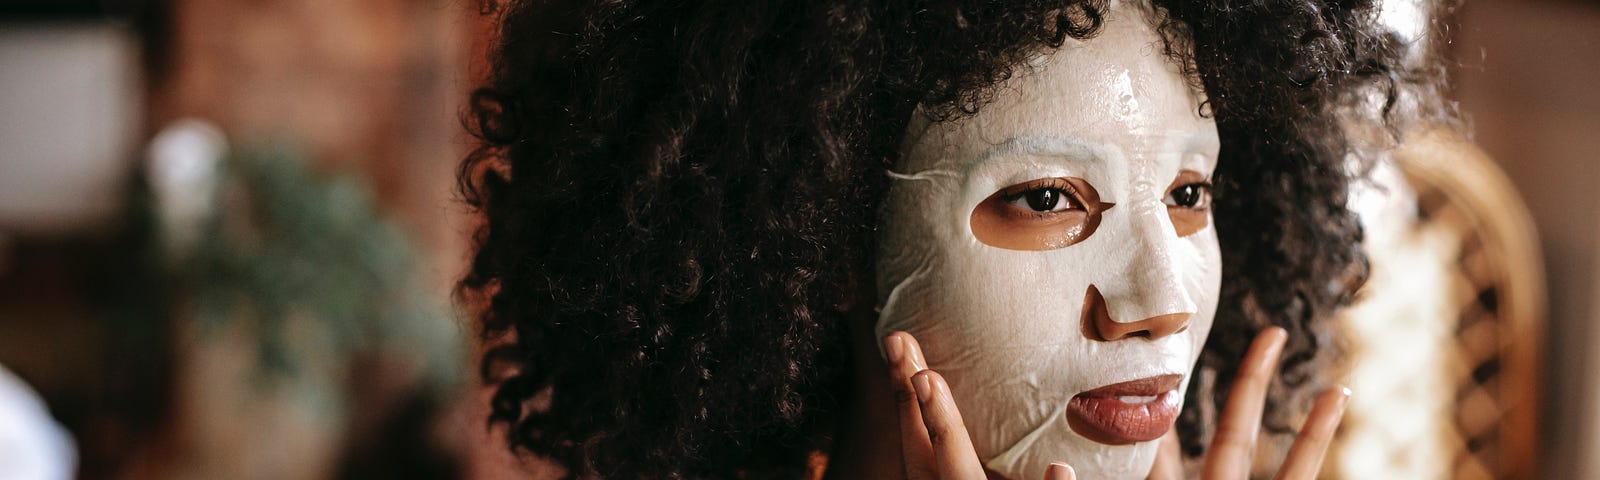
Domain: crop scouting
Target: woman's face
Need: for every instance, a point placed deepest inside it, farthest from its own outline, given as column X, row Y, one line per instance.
column 1055, row 257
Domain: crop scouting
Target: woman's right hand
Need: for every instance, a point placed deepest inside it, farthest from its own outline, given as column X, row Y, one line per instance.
column 933, row 440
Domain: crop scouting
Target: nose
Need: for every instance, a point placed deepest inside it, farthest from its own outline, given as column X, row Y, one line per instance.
column 1144, row 295
column 1098, row 324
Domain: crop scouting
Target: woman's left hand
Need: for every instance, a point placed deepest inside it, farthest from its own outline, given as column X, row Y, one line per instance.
column 1233, row 447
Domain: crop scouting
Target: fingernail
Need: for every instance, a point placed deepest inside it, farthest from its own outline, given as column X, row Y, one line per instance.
column 1059, row 471
column 1279, row 339
column 924, row 387
column 895, row 348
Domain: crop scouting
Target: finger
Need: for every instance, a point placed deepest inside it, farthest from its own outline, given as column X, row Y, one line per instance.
column 953, row 454
column 916, row 451
column 1235, row 440
column 1305, row 457
column 1060, row 471
column 1169, row 459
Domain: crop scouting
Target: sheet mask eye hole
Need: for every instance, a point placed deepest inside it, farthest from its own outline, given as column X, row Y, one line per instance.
column 1042, row 214
column 1188, row 203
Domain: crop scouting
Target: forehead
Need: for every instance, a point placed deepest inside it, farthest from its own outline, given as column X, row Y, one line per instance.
column 1118, row 90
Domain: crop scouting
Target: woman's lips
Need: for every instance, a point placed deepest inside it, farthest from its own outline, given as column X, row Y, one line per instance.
column 1127, row 412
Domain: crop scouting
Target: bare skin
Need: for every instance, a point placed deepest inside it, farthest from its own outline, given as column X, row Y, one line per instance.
column 934, row 443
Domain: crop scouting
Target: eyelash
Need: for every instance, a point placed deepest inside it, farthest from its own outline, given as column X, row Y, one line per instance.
column 1063, row 190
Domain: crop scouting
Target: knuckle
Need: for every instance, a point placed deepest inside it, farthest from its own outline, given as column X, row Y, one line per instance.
column 903, row 396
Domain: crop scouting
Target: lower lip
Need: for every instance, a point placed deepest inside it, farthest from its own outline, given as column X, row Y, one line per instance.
column 1124, row 418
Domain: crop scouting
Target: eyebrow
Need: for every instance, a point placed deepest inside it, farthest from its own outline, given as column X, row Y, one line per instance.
column 1051, row 146
column 1060, row 146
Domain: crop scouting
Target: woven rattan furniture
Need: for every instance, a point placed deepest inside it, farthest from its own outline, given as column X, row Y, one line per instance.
column 1444, row 344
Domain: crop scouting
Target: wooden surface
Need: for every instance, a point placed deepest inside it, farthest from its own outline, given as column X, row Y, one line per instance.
column 1501, row 330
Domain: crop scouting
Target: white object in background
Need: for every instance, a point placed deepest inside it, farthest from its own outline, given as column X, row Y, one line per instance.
column 69, row 111
column 1402, row 331
column 182, row 171
column 32, row 445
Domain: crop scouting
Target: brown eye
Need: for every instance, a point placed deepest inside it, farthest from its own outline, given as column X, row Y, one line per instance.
column 1046, row 199
column 1189, row 202
column 1041, row 214
column 1193, row 196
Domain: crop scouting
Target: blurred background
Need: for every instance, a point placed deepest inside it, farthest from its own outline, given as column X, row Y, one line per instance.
column 228, row 236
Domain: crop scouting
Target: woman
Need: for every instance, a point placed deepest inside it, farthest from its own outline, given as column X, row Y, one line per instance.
column 692, row 211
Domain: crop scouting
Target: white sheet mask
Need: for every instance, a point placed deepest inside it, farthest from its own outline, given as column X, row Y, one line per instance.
column 1005, row 326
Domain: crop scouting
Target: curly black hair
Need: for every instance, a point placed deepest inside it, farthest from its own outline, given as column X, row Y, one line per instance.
column 677, row 199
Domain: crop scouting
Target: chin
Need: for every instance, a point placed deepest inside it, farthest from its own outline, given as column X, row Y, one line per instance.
column 1090, row 459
